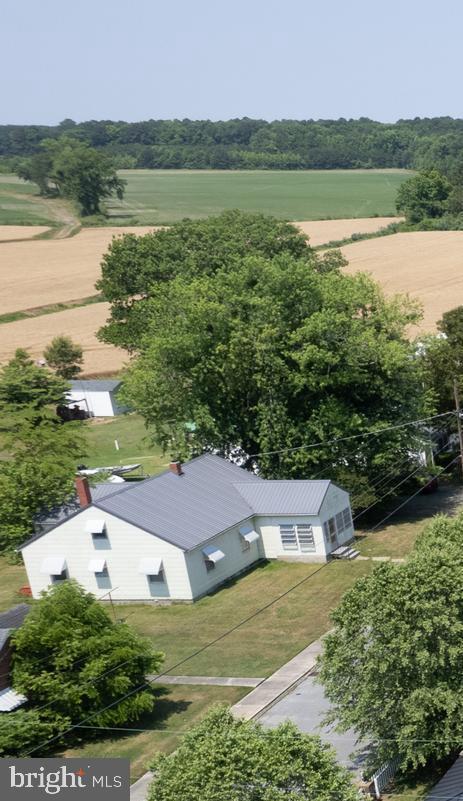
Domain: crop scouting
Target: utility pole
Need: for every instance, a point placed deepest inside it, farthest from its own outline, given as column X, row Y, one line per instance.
column 457, row 407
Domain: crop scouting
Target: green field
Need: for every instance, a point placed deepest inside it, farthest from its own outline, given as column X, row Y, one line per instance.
column 20, row 203
column 165, row 196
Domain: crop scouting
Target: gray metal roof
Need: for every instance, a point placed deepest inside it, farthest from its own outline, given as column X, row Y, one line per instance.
column 451, row 785
column 95, row 385
column 284, row 497
column 13, row 618
column 185, row 510
column 105, row 489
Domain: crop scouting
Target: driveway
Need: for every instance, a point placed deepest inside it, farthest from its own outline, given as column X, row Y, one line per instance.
column 305, row 706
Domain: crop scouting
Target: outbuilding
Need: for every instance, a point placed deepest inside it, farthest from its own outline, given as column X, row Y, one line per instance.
column 179, row 535
column 97, row 398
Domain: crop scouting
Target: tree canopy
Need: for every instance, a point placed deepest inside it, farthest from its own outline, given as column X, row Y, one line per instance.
column 69, row 653
column 393, row 666
column 25, row 384
column 64, row 356
column 423, row 196
column 134, row 265
column 224, row 759
column 442, row 358
column 74, row 170
column 275, row 354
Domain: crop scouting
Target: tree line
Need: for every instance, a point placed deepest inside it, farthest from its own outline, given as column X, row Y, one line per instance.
column 253, row 144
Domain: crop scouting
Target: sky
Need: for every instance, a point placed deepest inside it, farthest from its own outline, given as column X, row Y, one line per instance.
column 209, row 59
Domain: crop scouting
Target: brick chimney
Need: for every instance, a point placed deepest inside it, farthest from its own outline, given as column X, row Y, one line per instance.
column 176, row 467
column 83, row 491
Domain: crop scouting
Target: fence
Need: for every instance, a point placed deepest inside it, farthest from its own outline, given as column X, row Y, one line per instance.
column 383, row 776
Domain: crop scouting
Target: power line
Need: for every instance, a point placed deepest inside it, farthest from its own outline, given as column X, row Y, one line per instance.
column 352, row 436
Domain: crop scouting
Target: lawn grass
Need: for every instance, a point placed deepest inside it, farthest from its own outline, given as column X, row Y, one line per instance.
column 177, row 709
column 130, row 432
column 12, row 577
column 268, row 640
column 166, row 196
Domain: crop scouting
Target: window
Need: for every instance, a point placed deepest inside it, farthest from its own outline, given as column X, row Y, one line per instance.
column 212, row 555
column 156, row 577
column 248, row 535
column 103, row 580
column 56, row 578
column 330, row 530
column 97, row 528
column 306, row 539
column 288, row 537
column 210, row 565
column 347, row 518
column 337, row 525
column 245, row 544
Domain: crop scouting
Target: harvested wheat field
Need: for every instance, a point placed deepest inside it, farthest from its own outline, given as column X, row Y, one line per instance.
column 14, row 232
column 323, row 231
column 80, row 324
column 427, row 265
column 47, row 271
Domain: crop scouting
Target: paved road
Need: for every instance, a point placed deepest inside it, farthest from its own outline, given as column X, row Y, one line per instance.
column 306, row 705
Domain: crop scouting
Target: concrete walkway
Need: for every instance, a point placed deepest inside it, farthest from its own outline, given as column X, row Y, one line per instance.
column 258, row 700
column 214, row 681
column 254, row 703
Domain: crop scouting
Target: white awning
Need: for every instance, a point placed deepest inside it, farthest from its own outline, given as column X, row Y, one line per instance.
column 53, row 565
column 150, row 566
column 97, row 565
column 249, row 534
column 213, row 554
column 10, row 699
column 95, row 526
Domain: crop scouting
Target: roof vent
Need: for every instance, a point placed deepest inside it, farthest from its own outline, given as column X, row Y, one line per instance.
column 176, row 467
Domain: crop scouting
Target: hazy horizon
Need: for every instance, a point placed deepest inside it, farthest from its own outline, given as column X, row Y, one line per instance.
column 208, row 60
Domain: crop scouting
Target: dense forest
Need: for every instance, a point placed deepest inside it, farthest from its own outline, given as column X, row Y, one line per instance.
column 254, row 144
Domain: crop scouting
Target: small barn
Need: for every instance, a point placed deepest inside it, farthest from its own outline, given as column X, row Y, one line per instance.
column 179, row 535
column 97, row 398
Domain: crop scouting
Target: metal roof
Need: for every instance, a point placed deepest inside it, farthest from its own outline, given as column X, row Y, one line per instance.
column 95, row 385
column 104, row 489
column 185, row 510
column 451, row 785
column 14, row 618
column 284, row 497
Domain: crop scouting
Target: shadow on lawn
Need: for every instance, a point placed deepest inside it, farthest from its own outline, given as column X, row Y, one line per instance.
column 447, row 500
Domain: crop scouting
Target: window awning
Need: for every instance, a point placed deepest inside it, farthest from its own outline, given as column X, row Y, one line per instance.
column 10, row 699
column 150, row 566
column 97, row 565
column 53, row 565
column 249, row 534
column 213, row 554
column 95, row 526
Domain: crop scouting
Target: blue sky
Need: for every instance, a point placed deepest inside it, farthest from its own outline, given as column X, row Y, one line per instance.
column 141, row 59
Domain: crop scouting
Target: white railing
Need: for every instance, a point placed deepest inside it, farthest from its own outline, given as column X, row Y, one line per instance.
column 383, row 776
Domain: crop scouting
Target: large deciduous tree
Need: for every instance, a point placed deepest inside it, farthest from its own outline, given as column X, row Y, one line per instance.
column 134, row 265
column 69, row 654
column 280, row 354
column 71, row 168
column 224, row 759
column 64, row 356
column 25, row 384
column 392, row 667
column 424, row 196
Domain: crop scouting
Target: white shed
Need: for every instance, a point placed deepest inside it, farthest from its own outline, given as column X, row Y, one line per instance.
column 96, row 397
column 179, row 535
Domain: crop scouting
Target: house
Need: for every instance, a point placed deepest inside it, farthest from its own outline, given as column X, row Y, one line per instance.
column 179, row 535
column 451, row 785
column 9, row 621
column 96, row 398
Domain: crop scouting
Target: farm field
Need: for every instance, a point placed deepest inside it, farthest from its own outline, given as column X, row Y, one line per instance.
column 13, row 232
column 80, row 324
column 42, row 272
column 426, row 264
column 166, row 196
column 20, row 203
column 320, row 232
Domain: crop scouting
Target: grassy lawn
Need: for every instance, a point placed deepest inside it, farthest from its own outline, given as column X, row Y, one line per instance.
column 264, row 643
column 177, row 709
column 165, row 196
column 130, row 432
column 12, row 577
column 397, row 536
